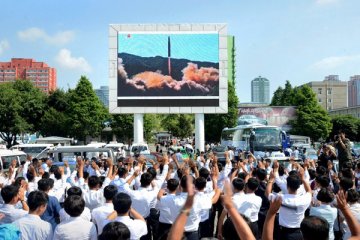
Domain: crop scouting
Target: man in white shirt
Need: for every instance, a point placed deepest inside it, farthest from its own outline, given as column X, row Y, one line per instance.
column 294, row 206
column 75, row 227
column 11, row 195
column 100, row 214
column 31, row 226
column 86, row 214
column 122, row 206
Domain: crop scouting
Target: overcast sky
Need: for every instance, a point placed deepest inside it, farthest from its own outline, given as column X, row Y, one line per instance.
column 301, row 41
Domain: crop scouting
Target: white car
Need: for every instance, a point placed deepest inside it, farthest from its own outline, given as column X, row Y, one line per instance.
column 141, row 148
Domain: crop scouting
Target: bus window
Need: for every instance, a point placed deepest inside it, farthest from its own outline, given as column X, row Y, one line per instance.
column 6, row 160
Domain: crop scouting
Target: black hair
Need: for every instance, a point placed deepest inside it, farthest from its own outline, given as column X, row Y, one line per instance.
column 325, row 195
column 146, row 179
column 229, row 230
column 323, row 181
column 101, row 180
column 205, row 173
column 18, row 181
column 320, row 170
column 242, row 175
column 238, row 184
column 53, row 168
column 46, row 175
column 34, row 161
column 172, row 184
column 122, row 172
column 200, row 183
column 109, row 192
column 74, row 205
column 74, row 191
column 57, row 173
column 9, row 192
column 315, row 228
column 268, row 160
column 276, row 188
column 36, row 199
column 293, row 182
column 178, row 150
column 252, row 184
column 122, row 203
column 152, row 172
column 261, row 174
column 116, row 231
column 281, row 170
column 183, row 181
column 340, row 131
column 86, row 175
column 93, row 182
column 220, row 167
column 312, row 174
column 45, row 184
column 346, row 183
column 30, row 177
column 347, row 173
column 352, row 196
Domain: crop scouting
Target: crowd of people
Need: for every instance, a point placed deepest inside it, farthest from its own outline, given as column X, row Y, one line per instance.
column 138, row 198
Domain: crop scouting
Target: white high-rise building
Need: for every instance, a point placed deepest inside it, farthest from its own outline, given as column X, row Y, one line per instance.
column 260, row 90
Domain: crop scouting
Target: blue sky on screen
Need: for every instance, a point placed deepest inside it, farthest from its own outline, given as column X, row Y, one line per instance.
column 194, row 47
column 281, row 40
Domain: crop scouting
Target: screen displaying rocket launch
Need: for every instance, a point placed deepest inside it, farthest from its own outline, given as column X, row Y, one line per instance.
column 168, row 65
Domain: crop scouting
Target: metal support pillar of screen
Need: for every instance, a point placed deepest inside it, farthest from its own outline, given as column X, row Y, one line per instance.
column 138, row 128
column 199, row 131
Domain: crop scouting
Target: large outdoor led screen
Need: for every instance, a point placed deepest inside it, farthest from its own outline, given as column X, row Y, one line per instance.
column 168, row 69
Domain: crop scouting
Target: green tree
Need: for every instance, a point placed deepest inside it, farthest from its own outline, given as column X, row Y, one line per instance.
column 86, row 114
column 55, row 120
column 312, row 120
column 180, row 125
column 276, row 99
column 215, row 123
column 287, row 95
column 348, row 123
column 123, row 126
column 21, row 108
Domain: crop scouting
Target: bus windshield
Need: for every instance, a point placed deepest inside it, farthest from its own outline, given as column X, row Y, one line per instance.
column 267, row 139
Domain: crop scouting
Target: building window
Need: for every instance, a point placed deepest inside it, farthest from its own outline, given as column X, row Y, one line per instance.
column 319, row 90
column 329, row 100
column 319, row 100
column 329, row 91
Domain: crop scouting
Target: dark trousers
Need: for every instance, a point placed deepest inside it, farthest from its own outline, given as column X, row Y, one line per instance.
column 163, row 231
column 149, row 233
column 191, row 235
column 153, row 221
column 255, row 229
column 205, row 229
column 217, row 208
column 290, row 233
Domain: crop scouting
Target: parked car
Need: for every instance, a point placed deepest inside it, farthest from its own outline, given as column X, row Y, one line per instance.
column 6, row 156
column 139, row 148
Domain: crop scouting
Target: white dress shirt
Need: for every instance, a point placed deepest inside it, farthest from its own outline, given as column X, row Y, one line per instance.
column 75, row 228
column 167, row 209
column 100, row 214
column 94, row 199
column 86, row 215
column 293, row 208
column 32, row 227
column 249, row 206
column 281, row 181
column 224, row 174
column 355, row 210
column 137, row 227
column 206, row 203
column 11, row 213
column 142, row 199
column 192, row 223
column 327, row 212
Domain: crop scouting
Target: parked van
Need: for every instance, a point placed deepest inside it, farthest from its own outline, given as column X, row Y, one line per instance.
column 35, row 150
column 6, row 156
column 140, row 148
column 70, row 153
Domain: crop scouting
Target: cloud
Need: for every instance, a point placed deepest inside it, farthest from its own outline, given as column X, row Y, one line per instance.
column 326, row 2
column 65, row 60
column 35, row 34
column 333, row 62
column 4, row 45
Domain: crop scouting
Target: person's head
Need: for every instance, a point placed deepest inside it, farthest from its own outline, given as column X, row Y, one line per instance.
column 352, row 196
column 320, row 170
column 261, row 174
column 37, row 202
column 122, row 172
column 346, row 172
column 293, row 182
column 281, row 170
column 94, row 182
column 172, row 184
column 322, row 181
column 252, row 184
column 346, row 183
column 115, row 230
column 110, row 192
column 242, row 175
column 312, row 174
column 220, row 167
column 205, row 173
column 238, row 184
column 10, row 194
column 229, row 230
column 20, row 181
column 57, row 173
column 74, row 191
column 178, row 150
column 152, row 172
column 325, row 195
column 183, row 182
column 314, row 228
column 45, row 184
column 267, row 162
column 341, row 134
column 146, row 179
column 74, row 205
column 200, row 183
column 122, row 203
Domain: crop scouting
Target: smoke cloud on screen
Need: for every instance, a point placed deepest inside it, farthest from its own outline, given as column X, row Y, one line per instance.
column 196, row 81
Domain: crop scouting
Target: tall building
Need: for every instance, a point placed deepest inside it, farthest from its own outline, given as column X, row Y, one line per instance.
column 354, row 91
column 331, row 92
column 260, row 90
column 103, row 94
column 39, row 73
